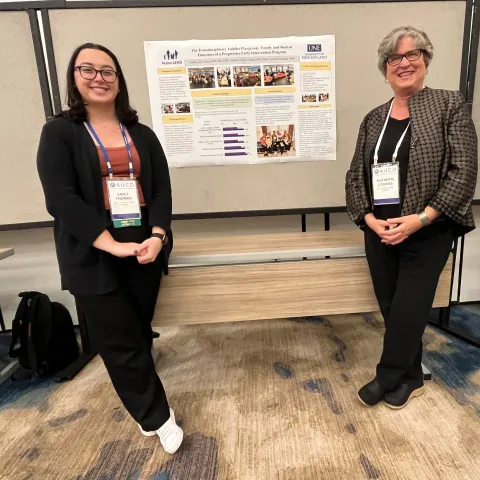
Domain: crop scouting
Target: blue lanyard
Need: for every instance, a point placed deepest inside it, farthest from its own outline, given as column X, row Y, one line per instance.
column 105, row 153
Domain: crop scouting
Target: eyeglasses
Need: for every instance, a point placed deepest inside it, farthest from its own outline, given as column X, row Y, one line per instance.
column 411, row 56
column 90, row 73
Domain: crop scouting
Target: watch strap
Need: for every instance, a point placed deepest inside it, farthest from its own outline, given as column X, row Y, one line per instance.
column 162, row 236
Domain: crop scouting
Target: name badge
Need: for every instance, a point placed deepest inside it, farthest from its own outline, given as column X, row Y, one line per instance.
column 386, row 183
column 124, row 202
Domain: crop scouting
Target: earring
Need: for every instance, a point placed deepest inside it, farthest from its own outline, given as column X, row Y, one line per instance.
column 426, row 73
column 386, row 81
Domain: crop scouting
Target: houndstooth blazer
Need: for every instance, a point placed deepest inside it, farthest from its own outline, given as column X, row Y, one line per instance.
column 442, row 169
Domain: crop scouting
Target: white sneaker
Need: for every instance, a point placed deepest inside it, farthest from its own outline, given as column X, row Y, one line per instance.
column 147, row 434
column 154, row 432
column 171, row 435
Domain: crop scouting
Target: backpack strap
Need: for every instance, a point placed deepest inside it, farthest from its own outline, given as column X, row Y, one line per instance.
column 38, row 342
column 32, row 355
column 16, row 326
column 20, row 317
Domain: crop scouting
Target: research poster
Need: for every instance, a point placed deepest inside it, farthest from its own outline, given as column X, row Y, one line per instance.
column 225, row 102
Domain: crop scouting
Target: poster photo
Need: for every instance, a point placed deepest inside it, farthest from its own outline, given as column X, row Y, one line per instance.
column 225, row 102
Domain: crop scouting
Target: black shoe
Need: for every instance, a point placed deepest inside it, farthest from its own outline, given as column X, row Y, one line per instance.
column 400, row 397
column 371, row 393
column 155, row 334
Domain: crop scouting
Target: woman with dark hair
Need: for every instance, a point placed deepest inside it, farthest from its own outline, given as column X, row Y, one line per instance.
column 107, row 185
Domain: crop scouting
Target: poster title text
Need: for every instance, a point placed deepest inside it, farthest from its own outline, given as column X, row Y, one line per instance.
column 233, row 51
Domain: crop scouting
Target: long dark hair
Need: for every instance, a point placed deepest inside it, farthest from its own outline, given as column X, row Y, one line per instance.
column 76, row 106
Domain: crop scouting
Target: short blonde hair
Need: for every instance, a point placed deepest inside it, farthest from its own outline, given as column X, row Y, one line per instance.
column 389, row 44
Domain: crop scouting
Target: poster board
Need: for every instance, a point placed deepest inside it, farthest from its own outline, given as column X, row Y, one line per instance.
column 476, row 117
column 21, row 121
column 359, row 85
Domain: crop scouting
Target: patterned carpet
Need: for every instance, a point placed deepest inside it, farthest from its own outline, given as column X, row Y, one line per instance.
column 264, row 400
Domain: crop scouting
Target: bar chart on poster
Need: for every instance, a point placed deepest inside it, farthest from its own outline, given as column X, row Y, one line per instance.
column 219, row 138
column 236, row 141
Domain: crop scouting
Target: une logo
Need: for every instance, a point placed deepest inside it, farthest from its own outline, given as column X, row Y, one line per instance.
column 376, row 171
column 112, row 185
column 314, row 47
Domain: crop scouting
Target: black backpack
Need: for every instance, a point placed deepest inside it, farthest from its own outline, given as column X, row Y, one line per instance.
column 48, row 343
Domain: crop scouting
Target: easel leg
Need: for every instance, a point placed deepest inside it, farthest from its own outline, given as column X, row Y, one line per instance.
column 2, row 323
column 427, row 374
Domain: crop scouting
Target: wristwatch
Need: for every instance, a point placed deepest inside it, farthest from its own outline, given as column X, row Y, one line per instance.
column 162, row 236
column 424, row 219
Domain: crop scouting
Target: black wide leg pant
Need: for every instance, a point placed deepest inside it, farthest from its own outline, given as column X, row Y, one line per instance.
column 119, row 327
column 405, row 279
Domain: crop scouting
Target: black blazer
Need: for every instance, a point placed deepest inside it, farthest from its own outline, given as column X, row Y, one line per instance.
column 69, row 169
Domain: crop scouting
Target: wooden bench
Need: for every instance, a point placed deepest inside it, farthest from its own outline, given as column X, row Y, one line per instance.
column 268, row 276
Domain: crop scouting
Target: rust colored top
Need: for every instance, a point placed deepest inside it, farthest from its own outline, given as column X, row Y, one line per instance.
column 119, row 161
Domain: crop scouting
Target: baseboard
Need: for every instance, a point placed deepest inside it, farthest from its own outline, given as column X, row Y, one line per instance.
column 26, row 226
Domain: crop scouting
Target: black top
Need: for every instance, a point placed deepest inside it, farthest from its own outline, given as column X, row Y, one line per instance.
column 393, row 132
column 69, row 169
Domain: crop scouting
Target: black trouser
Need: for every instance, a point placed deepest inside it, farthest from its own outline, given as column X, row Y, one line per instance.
column 405, row 279
column 119, row 327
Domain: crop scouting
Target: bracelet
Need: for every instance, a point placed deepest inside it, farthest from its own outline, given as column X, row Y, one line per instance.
column 424, row 219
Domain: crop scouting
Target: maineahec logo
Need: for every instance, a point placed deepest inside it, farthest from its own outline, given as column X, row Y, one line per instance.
column 314, row 47
column 171, row 58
